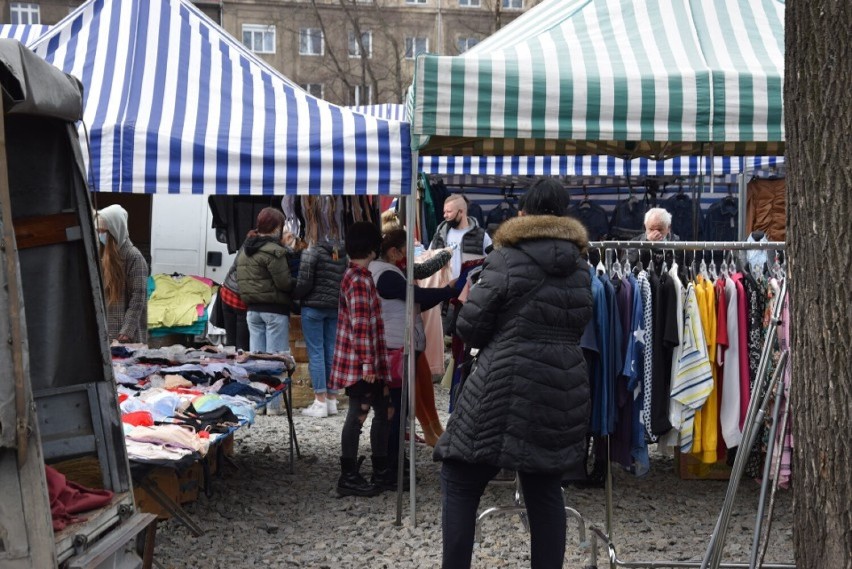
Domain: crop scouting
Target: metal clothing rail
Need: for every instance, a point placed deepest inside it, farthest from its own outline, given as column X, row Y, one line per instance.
column 717, row 539
column 691, row 245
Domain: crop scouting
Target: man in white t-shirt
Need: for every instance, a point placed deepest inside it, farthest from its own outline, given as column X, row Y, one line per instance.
column 462, row 233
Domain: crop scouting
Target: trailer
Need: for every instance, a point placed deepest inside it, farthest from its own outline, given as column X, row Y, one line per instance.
column 58, row 402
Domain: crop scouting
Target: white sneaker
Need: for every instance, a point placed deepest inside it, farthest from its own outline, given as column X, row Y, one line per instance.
column 331, row 405
column 316, row 409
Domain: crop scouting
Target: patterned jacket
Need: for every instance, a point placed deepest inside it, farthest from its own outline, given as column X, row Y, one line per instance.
column 360, row 344
column 129, row 316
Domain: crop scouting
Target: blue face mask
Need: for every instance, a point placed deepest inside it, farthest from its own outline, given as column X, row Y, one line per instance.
column 102, row 237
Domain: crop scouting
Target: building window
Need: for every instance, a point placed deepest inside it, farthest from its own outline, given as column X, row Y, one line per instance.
column 415, row 1
column 464, row 44
column 415, row 46
column 259, row 38
column 469, row 3
column 366, row 41
column 513, row 4
column 24, row 13
column 361, row 95
column 314, row 89
column 310, row 41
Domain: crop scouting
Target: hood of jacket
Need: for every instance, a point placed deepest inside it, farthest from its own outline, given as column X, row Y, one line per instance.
column 114, row 218
column 255, row 244
column 331, row 245
column 554, row 243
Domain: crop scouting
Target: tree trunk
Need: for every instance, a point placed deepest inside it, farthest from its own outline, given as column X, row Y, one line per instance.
column 818, row 115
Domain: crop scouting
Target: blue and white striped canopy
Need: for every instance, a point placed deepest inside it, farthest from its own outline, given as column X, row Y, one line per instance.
column 24, row 33
column 173, row 104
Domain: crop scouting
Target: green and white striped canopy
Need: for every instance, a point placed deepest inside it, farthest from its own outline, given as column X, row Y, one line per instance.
column 650, row 78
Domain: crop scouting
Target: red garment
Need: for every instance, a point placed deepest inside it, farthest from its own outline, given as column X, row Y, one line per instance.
column 122, row 397
column 138, row 419
column 68, row 498
column 360, row 344
column 231, row 298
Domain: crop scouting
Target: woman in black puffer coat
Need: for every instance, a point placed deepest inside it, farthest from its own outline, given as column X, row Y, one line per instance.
column 525, row 406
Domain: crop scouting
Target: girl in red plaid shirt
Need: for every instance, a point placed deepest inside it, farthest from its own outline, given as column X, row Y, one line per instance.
column 360, row 364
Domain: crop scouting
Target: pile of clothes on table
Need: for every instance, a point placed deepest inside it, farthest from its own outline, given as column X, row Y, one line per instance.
column 175, row 400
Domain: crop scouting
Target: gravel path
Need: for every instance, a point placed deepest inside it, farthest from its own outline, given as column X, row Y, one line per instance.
column 263, row 516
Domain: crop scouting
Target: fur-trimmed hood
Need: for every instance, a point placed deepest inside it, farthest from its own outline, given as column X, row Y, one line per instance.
column 531, row 227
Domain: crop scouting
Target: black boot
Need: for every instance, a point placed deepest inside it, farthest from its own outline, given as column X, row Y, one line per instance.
column 351, row 483
column 383, row 476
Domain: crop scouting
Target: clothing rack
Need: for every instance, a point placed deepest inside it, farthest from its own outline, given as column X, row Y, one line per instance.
column 691, row 245
column 716, row 543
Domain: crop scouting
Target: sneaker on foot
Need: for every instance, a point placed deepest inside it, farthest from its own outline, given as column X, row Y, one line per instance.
column 316, row 409
column 331, row 406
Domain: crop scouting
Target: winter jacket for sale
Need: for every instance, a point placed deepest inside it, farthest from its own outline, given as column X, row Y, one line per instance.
column 263, row 275
column 320, row 273
column 525, row 406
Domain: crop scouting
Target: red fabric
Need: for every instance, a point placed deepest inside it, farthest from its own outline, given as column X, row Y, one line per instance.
column 396, row 363
column 360, row 344
column 122, row 397
column 69, row 498
column 231, row 298
column 138, row 419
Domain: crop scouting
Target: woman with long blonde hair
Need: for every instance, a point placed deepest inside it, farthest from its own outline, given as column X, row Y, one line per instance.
column 125, row 277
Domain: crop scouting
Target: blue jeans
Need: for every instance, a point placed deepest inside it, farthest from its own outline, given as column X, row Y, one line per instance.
column 462, row 485
column 319, row 326
column 268, row 332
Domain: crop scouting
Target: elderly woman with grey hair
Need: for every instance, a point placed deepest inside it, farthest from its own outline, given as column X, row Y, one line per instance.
column 125, row 278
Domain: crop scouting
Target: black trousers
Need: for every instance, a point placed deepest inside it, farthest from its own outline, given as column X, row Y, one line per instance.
column 236, row 328
column 364, row 396
column 462, row 485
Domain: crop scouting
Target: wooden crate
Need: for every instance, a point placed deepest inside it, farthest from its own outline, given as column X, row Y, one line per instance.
column 303, row 390
column 167, row 481
column 299, row 350
column 190, row 482
column 296, row 328
column 690, row 468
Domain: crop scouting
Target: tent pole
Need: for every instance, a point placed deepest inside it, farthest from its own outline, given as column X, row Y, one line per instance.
column 411, row 219
column 741, row 214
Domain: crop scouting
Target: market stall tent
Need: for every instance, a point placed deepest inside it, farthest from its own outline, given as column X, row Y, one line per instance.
column 173, row 104
column 657, row 78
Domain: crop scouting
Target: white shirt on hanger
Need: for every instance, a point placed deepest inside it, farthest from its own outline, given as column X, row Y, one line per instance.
column 729, row 412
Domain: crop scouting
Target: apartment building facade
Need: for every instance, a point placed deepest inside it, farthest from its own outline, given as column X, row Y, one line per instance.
column 349, row 52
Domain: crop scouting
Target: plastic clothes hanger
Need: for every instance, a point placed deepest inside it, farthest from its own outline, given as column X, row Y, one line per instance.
column 702, row 267
column 600, row 268
column 617, row 270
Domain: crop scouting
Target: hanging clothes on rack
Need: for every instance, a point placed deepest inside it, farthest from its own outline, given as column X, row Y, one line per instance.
column 701, row 345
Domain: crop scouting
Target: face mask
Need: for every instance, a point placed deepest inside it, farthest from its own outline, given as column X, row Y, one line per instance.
column 454, row 222
column 102, row 237
column 418, row 249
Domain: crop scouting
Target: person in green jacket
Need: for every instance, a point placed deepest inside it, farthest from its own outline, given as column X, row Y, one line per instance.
column 263, row 275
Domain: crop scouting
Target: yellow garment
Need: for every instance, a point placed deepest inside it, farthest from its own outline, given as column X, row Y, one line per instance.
column 706, row 435
column 175, row 301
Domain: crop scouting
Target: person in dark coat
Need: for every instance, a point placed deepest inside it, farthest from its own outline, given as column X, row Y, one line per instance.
column 525, row 405
column 318, row 287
